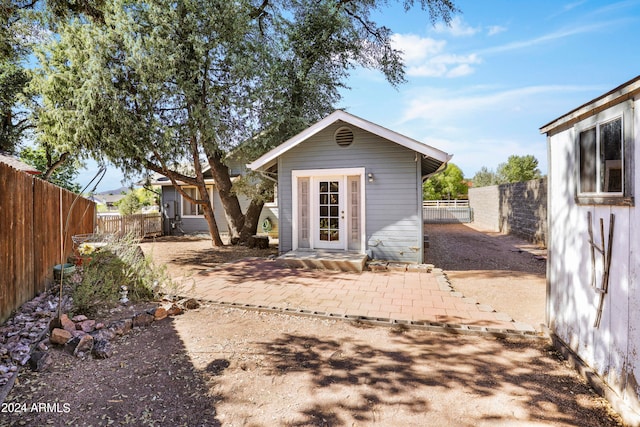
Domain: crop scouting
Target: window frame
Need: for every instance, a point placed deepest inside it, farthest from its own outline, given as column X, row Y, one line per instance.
column 183, row 200
column 624, row 112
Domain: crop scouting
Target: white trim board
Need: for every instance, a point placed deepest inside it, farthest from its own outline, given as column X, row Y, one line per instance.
column 271, row 157
column 318, row 173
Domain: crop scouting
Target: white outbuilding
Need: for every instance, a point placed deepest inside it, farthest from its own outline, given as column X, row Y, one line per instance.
column 593, row 296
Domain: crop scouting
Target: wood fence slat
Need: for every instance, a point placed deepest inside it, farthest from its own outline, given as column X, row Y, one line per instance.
column 30, row 234
column 137, row 225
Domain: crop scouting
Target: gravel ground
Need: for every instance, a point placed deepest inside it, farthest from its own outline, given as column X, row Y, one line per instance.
column 223, row 366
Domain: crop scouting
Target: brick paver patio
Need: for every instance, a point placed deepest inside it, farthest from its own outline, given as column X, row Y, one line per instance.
column 417, row 296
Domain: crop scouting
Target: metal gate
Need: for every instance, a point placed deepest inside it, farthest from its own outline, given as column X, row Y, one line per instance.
column 446, row 211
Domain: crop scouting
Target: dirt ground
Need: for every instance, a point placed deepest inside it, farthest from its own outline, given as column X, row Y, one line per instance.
column 502, row 271
column 224, row 366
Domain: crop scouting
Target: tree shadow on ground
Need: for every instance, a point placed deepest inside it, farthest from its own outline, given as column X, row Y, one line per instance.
column 149, row 380
column 434, row 378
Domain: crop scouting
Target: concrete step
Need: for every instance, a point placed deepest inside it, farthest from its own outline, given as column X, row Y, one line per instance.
column 324, row 260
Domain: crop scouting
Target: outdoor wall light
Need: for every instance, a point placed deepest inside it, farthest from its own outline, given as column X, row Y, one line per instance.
column 370, row 177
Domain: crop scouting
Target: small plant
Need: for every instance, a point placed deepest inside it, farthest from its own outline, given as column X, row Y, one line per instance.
column 86, row 249
column 119, row 263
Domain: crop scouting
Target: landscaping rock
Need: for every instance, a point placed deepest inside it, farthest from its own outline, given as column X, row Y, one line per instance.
column 67, row 324
column 70, row 346
column 20, row 353
column 79, row 318
column 84, row 345
column 174, row 310
column 60, row 336
column 190, row 304
column 160, row 313
column 86, row 325
column 102, row 349
column 103, row 334
column 121, row 327
column 40, row 361
column 142, row 319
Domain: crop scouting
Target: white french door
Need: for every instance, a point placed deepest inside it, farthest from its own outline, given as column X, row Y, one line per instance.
column 328, row 212
column 328, row 209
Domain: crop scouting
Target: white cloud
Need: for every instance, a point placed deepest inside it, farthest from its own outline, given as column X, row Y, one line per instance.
column 457, row 28
column 426, row 57
column 547, row 38
column 495, row 29
column 416, row 48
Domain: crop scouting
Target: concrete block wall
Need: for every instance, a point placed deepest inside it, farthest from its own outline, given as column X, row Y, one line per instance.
column 519, row 209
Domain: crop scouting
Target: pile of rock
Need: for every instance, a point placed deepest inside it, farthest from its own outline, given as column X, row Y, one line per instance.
column 81, row 336
column 23, row 330
column 35, row 327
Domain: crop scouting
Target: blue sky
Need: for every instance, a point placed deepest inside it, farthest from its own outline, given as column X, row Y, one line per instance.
column 481, row 88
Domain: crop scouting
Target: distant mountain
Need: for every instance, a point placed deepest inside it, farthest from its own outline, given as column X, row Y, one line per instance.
column 115, row 192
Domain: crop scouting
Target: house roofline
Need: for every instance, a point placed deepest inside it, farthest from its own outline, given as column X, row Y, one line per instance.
column 269, row 159
column 621, row 93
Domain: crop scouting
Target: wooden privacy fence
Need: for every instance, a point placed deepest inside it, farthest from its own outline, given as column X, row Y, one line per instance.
column 33, row 214
column 137, row 225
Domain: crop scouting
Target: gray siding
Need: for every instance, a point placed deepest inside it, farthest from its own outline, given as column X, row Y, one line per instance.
column 393, row 199
column 189, row 225
column 198, row 225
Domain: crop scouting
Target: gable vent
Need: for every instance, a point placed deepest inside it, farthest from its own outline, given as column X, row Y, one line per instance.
column 344, row 137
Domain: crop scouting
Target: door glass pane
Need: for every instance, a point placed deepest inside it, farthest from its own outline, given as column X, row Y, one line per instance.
column 329, row 210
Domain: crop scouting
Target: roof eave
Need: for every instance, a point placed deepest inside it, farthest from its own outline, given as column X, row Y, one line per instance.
column 621, row 93
column 270, row 158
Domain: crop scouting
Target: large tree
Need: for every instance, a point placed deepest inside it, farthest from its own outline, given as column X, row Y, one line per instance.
column 446, row 185
column 518, row 169
column 15, row 34
column 155, row 84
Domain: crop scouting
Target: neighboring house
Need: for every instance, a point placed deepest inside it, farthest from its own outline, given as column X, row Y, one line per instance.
column 17, row 164
column 346, row 184
column 183, row 217
column 593, row 301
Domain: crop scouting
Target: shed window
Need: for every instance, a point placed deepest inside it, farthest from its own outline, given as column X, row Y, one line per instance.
column 192, row 209
column 603, row 158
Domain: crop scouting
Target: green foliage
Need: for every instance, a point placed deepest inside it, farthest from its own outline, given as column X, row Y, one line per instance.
column 64, row 175
column 484, row 177
column 135, row 200
column 129, row 204
column 449, row 184
column 231, row 72
column 119, row 263
column 515, row 169
column 518, row 169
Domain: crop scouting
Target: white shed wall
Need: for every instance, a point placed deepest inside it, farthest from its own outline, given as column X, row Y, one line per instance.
column 613, row 349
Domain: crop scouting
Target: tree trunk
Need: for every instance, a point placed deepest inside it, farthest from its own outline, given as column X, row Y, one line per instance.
column 251, row 218
column 216, row 240
column 230, row 202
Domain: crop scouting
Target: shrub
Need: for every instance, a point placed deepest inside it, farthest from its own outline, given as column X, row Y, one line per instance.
column 119, row 263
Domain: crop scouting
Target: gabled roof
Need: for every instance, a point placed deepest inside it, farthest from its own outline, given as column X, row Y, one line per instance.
column 623, row 92
column 432, row 161
column 17, row 164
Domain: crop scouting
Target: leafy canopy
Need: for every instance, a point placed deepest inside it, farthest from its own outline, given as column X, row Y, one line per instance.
column 447, row 185
column 515, row 169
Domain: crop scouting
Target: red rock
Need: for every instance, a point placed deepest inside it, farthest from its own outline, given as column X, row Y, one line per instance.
column 160, row 313
column 79, row 318
column 86, row 325
column 142, row 319
column 60, row 336
column 174, row 310
column 67, row 324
